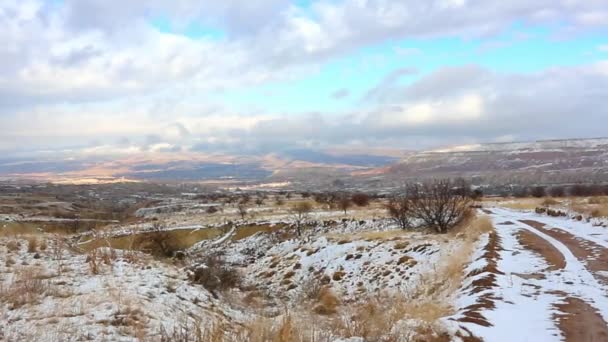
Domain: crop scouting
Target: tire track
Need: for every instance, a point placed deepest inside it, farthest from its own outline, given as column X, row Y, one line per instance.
column 592, row 255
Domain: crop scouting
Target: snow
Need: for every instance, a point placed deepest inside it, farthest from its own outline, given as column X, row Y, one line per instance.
column 525, row 308
column 78, row 304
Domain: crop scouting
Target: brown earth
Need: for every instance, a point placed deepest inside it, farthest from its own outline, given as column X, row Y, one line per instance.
column 542, row 247
column 576, row 311
column 594, row 256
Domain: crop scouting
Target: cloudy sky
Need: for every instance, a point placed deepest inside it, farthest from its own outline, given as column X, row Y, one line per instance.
column 268, row 75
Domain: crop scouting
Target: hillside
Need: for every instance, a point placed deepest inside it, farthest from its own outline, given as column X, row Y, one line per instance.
column 552, row 160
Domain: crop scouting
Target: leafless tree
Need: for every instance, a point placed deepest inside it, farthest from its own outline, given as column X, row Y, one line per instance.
column 259, row 201
column 300, row 213
column 344, row 203
column 242, row 210
column 440, row 204
column 399, row 210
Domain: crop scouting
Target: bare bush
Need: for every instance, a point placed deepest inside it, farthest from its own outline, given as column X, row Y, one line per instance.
column 360, row 199
column 161, row 239
column 27, row 286
column 440, row 205
column 399, row 210
column 214, row 274
column 32, row 244
column 556, row 191
column 538, row 191
column 13, row 245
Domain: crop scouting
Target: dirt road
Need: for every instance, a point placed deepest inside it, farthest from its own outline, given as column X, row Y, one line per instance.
column 550, row 282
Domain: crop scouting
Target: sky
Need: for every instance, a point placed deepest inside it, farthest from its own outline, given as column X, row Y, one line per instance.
column 254, row 77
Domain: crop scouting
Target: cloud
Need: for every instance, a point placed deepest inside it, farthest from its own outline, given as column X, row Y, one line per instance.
column 340, row 94
column 467, row 103
column 388, row 84
column 73, row 71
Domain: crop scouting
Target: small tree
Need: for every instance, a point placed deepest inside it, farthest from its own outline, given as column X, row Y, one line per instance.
column 538, row 191
column 242, row 210
column 259, row 201
column 300, row 212
column 557, row 191
column 399, row 210
column 344, row 203
column 440, row 205
column 360, row 199
column 477, row 194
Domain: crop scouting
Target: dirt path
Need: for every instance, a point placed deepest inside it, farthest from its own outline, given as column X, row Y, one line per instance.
column 580, row 322
column 594, row 256
column 546, row 250
column 552, row 283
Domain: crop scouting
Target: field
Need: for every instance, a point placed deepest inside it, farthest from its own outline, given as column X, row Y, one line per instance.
column 168, row 268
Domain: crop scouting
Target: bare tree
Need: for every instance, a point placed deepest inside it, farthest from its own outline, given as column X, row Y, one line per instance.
column 242, row 210
column 300, row 212
column 344, row 203
column 259, row 201
column 399, row 209
column 441, row 204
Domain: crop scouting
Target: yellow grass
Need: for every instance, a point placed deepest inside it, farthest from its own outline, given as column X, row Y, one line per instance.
column 370, row 235
column 522, row 204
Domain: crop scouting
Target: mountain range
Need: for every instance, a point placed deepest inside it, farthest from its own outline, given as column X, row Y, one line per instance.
column 545, row 161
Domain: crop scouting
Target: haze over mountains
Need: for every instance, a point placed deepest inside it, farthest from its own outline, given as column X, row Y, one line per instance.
column 549, row 161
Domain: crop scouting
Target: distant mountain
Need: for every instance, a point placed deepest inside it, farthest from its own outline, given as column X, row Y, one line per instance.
column 539, row 161
column 196, row 166
column 545, row 161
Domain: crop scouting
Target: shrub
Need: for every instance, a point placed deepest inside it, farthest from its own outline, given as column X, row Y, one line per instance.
column 27, row 287
column 214, row 274
column 557, row 191
column 538, row 191
column 32, row 245
column 399, row 211
column 440, row 205
column 360, row 199
column 13, row 246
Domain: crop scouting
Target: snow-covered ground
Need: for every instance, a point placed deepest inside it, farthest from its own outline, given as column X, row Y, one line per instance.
column 511, row 289
column 523, row 300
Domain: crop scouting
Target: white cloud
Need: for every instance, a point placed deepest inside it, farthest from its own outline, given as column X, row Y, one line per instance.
column 82, row 70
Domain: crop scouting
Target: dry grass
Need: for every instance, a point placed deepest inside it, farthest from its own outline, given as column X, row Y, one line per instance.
column 13, row 245
column 27, row 287
column 522, row 203
column 327, row 302
column 32, row 244
column 600, row 211
column 593, row 210
column 549, row 201
column 369, row 235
